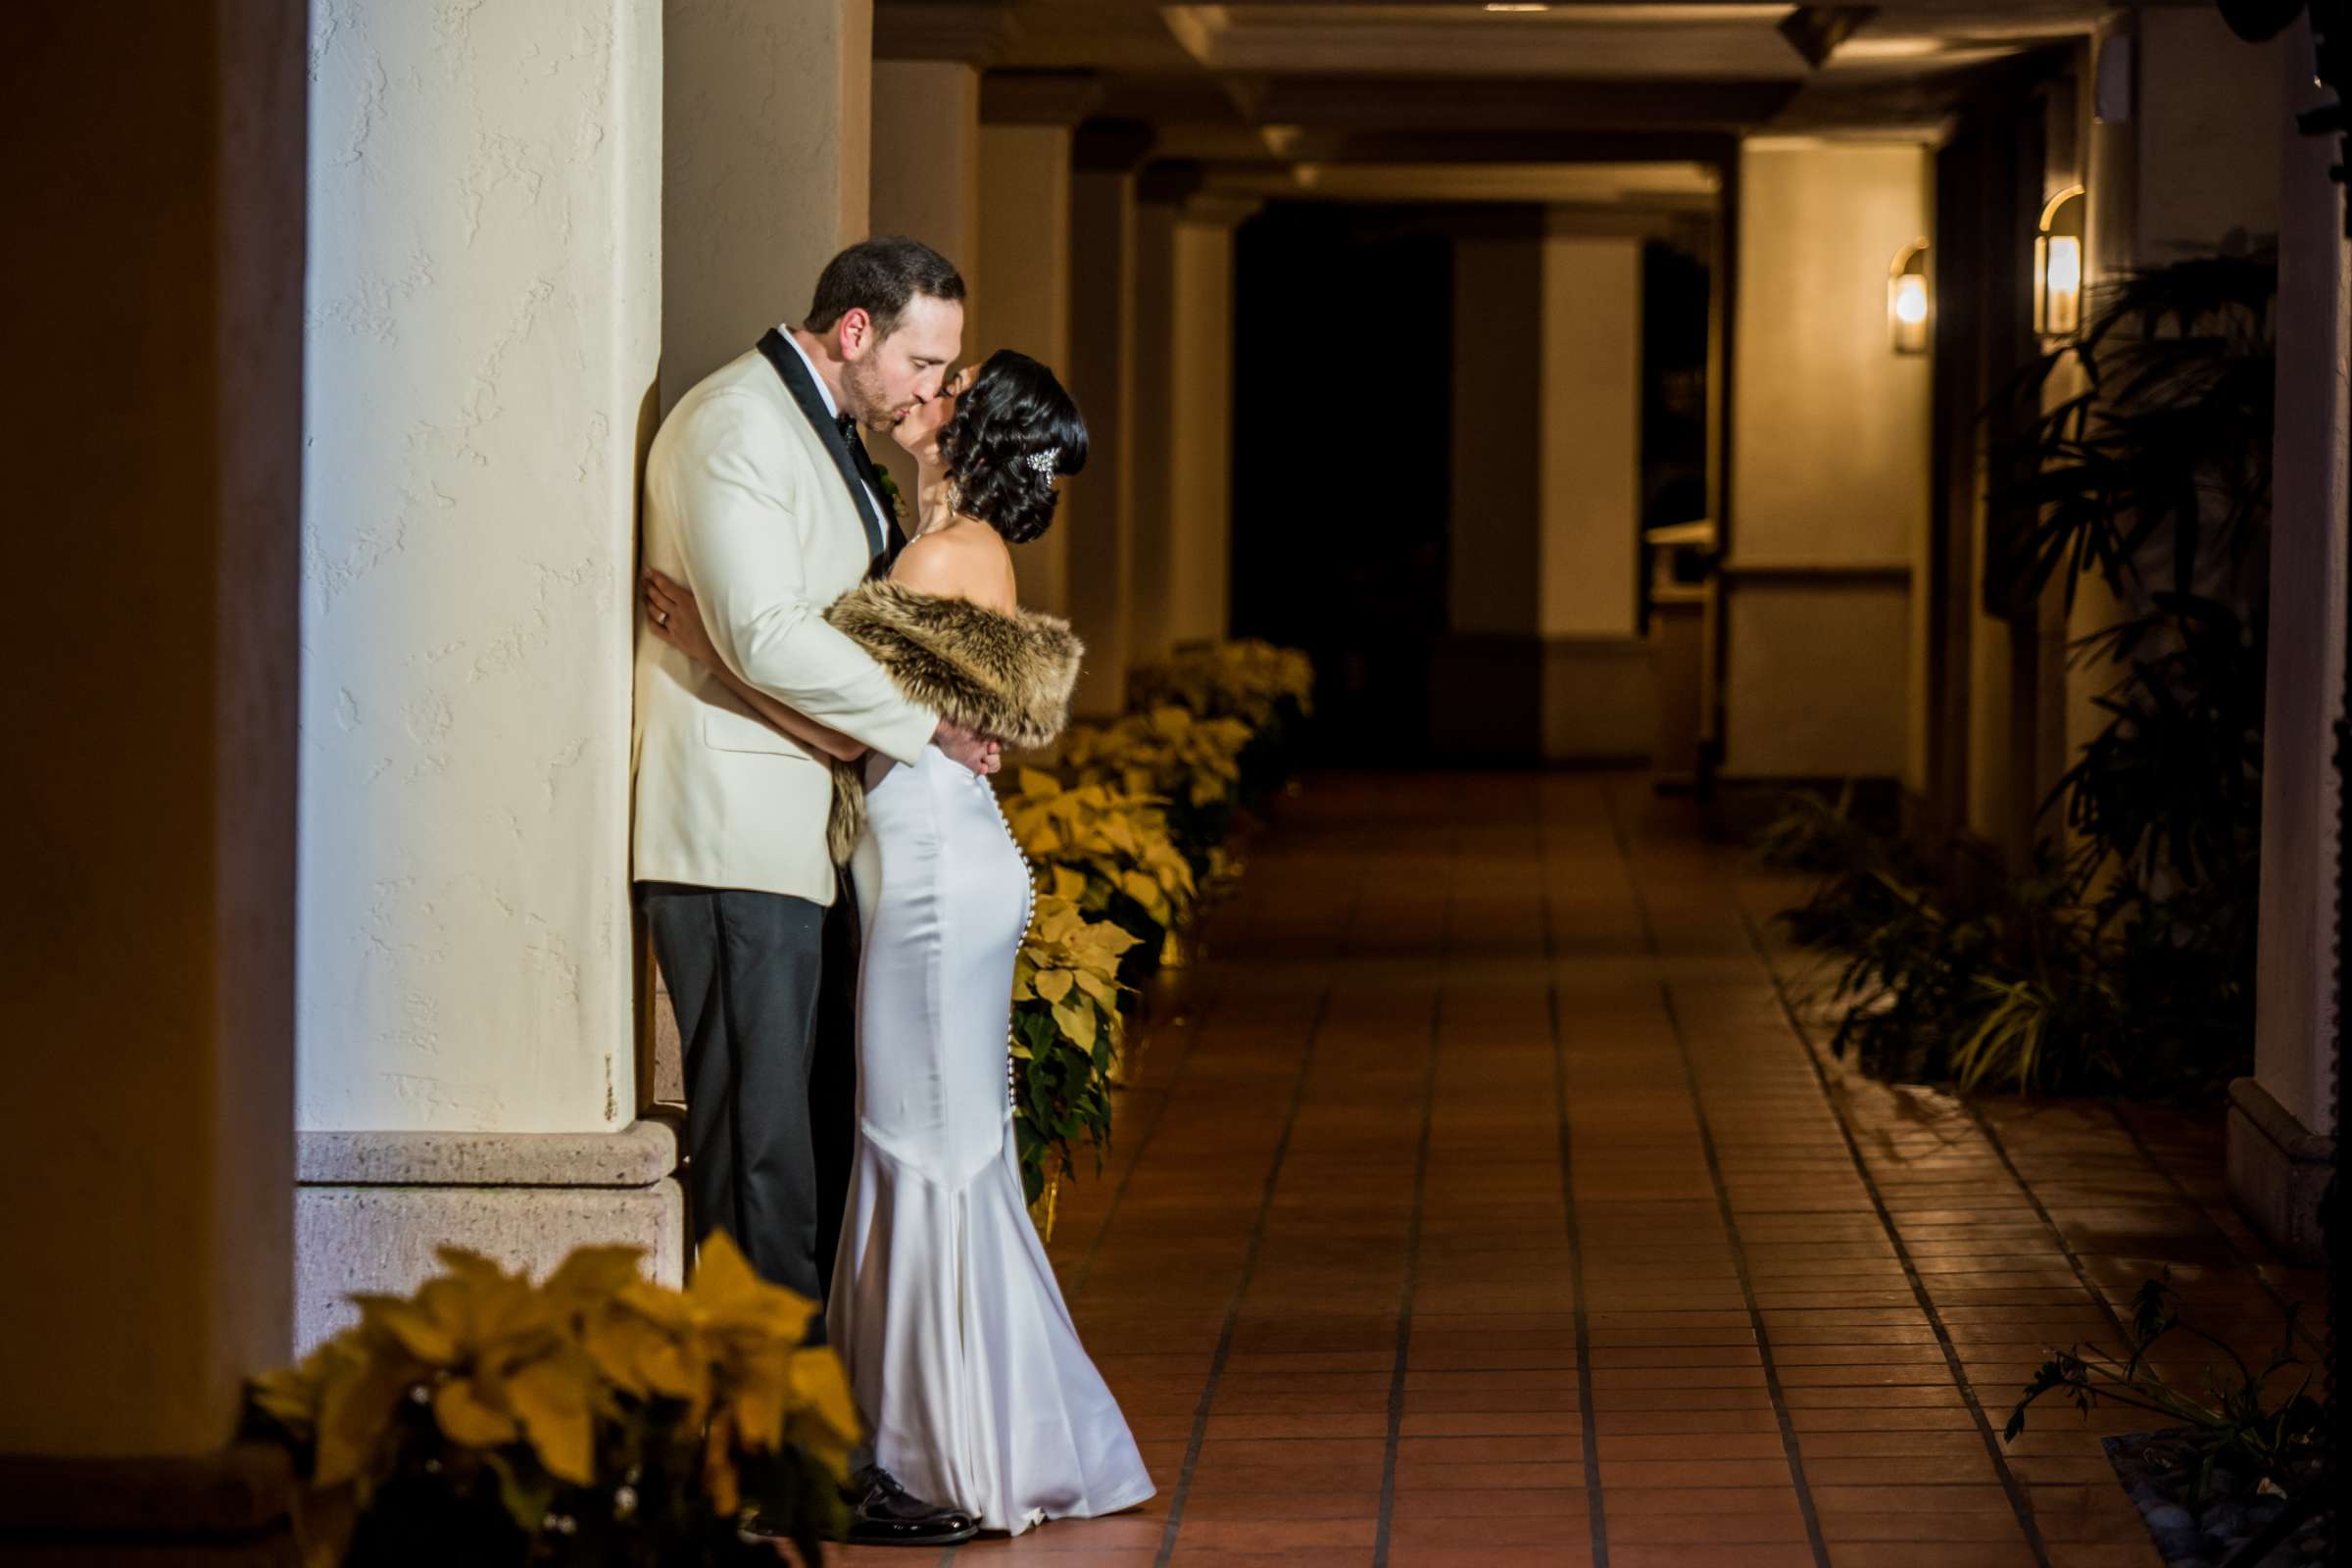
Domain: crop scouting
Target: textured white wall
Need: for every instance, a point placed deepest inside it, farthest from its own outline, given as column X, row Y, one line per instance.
column 483, row 312
column 766, row 114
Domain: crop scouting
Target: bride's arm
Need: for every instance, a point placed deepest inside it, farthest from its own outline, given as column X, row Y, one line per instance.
column 672, row 615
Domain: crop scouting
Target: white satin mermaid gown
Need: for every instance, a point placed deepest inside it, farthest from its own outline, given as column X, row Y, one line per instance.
column 964, row 1361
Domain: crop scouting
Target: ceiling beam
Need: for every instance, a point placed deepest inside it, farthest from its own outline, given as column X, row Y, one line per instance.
column 1507, row 106
column 976, row 32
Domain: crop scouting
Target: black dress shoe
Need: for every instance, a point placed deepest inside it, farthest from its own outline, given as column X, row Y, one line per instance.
column 882, row 1513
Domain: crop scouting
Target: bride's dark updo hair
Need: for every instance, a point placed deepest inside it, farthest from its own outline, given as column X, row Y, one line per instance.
column 994, row 446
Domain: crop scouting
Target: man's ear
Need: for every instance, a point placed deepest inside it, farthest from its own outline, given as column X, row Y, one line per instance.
column 854, row 333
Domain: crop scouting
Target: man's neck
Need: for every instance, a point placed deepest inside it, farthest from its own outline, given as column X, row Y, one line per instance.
column 820, row 359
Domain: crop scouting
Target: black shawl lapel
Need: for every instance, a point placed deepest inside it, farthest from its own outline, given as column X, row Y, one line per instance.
column 794, row 372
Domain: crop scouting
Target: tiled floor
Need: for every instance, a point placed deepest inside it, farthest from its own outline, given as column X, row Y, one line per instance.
column 1480, row 1203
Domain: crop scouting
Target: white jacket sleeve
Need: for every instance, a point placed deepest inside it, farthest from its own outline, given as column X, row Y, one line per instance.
column 741, row 533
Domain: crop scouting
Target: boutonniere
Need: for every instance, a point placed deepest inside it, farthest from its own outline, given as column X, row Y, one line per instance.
column 890, row 494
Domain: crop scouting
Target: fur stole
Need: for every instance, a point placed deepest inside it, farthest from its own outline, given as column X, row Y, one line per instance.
column 1006, row 675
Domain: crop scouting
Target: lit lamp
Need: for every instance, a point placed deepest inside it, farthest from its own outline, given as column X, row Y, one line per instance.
column 1907, row 299
column 2058, row 266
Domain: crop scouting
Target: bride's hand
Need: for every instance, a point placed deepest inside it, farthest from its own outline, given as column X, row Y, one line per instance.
column 673, row 617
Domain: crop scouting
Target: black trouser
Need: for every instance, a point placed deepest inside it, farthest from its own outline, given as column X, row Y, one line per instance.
column 766, row 991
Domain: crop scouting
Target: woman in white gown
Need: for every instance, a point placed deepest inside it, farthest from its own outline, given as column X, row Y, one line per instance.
column 966, row 1367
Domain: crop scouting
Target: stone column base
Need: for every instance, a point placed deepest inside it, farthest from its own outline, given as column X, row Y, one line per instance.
column 370, row 1208
column 2277, row 1170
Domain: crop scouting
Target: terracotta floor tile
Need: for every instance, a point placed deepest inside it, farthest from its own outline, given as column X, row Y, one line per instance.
column 1307, row 1158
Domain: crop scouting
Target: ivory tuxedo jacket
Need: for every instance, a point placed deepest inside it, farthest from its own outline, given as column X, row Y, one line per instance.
column 747, row 504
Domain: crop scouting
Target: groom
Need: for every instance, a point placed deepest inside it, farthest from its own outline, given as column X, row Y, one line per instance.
column 760, row 498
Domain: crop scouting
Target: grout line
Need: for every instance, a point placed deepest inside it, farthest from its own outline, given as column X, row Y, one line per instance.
column 1143, row 1146
column 2066, row 1249
column 2247, row 1264
column 1412, row 1242
column 1241, row 1285
column 1920, row 1293
column 1790, row 1447
column 1596, row 1505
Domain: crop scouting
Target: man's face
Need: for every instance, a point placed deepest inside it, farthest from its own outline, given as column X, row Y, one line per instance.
column 884, row 377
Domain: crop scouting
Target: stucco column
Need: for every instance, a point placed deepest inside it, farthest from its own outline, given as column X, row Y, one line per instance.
column 1486, row 691
column 1024, row 253
column 2282, row 1119
column 484, row 320
column 1599, row 698
column 1097, row 505
column 1199, row 589
column 925, row 179
column 155, row 339
column 1150, row 430
column 765, row 114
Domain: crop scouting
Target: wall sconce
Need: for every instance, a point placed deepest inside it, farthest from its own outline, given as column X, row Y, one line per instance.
column 2058, row 266
column 1907, row 299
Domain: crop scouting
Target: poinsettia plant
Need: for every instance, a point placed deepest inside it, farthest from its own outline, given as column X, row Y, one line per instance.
column 594, row 1417
column 1066, row 1031
column 1130, row 870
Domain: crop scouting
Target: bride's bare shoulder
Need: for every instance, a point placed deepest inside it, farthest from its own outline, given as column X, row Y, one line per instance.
column 968, row 561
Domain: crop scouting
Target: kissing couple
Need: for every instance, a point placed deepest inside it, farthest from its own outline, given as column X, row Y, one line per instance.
column 833, row 895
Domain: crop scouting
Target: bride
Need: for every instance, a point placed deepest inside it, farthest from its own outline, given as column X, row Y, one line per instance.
column 967, row 1369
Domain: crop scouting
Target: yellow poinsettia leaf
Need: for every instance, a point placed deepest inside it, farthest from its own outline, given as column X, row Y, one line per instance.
column 1102, row 990
column 763, row 1390
column 355, row 1407
column 551, row 1398
column 1053, row 984
column 465, row 1263
column 411, row 1326
column 821, row 1391
column 1068, row 882
column 719, row 1479
column 1043, row 786
column 595, row 1271
column 1144, row 890
column 1024, row 981
column 1077, row 1024
column 466, row 1417
column 723, row 1284
column 287, row 1395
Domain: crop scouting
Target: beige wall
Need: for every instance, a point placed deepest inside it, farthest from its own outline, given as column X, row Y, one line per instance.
column 1830, row 459
column 1024, row 251
column 1096, row 514
column 1150, row 434
column 926, row 185
column 481, row 351
column 1805, row 696
column 2207, row 115
column 1589, row 449
column 1830, row 450
column 765, row 117
column 156, row 389
column 926, row 157
column 1200, row 483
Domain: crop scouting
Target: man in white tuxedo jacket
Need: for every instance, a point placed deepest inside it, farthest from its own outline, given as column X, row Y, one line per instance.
column 759, row 497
